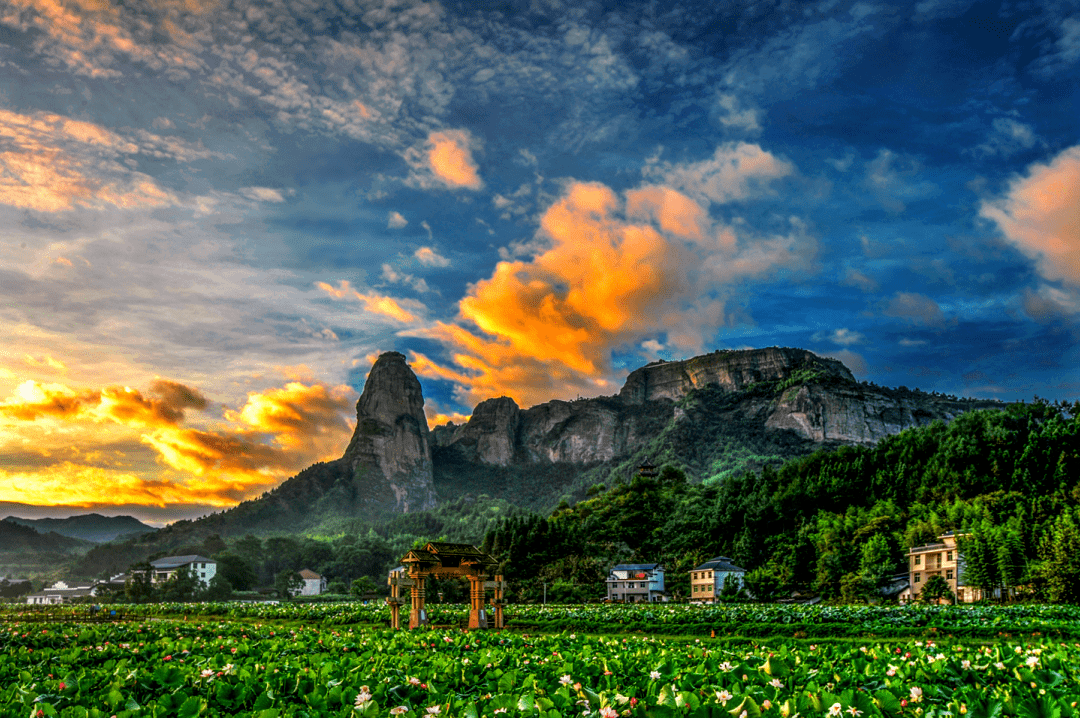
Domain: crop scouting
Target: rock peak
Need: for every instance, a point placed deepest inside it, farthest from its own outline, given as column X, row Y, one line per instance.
column 389, row 455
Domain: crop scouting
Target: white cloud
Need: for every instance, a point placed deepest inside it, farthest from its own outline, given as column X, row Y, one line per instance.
column 396, row 221
column 736, row 171
column 844, row 337
column 1007, row 137
column 263, row 194
column 430, row 258
column 894, row 180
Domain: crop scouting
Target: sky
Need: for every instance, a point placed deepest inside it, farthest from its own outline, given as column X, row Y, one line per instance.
column 214, row 215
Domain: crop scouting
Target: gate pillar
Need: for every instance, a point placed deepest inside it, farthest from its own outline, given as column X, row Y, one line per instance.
column 417, row 613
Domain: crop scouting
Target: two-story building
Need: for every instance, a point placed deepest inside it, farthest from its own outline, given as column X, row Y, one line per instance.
column 938, row 559
column 636, row 583
column 707, row 580
column 165, row 568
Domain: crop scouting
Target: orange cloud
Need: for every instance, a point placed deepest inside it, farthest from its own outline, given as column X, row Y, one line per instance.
column 54, row 163
column 372, row 302
column 450, row 159
column 121, row 405
column 612, row 272
column 1041, row 216
column 276, row 433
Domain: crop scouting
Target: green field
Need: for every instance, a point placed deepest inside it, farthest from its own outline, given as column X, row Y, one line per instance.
column 332, row 660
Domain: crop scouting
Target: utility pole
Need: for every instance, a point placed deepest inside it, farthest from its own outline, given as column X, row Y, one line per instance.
column 545, row 592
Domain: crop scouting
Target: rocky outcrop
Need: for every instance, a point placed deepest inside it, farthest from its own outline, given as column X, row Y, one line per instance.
column 777, row 389
column 389, row 456
column 857, row 414
column 733, row 370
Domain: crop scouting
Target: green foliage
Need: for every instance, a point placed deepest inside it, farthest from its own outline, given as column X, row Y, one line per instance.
column 839, row 522
column 287, row 584
column 936, row 588
column 247, row 668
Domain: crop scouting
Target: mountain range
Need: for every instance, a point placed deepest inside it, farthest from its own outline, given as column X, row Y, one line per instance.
column 713, row 415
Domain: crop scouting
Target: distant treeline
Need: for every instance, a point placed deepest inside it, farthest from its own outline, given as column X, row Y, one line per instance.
column 837, row 522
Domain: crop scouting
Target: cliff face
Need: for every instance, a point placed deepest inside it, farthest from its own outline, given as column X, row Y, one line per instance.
column 389, row 456
column 730, row 370
column 777, row 389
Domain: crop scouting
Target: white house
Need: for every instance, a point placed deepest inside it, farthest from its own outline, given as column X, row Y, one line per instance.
column 165, row 568
column 314, row 584
column 636, row 583
column 59, row 592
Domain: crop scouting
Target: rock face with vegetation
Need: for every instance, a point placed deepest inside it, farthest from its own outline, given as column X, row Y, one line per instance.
column 792, row 394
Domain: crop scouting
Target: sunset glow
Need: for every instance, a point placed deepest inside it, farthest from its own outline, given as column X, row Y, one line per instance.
column 213, row 216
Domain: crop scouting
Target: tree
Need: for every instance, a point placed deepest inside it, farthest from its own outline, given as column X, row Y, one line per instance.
column 184, row 586
column 239, row 573
column 363, row 586
column 220, row 589
column 287, row 584
column 876, row 563
column 762, row 583
column 1060, row 568
column 936, row 588
column 139, row 587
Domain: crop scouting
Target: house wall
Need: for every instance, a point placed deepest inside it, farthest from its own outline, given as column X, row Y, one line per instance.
column 940, row 559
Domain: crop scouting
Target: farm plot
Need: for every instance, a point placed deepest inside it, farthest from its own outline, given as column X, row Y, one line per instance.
column 225, row 668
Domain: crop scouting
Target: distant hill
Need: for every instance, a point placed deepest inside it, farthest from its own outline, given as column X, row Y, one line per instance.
column 18, row 539
column 88, row 527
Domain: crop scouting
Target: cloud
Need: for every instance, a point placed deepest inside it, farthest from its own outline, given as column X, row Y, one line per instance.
column 52, row 163
column 1007, row 137
column 853, row 361
column 430, row 258
column 396, row 221
column 448, row 158
column 164, row 406
column 1050, row 303
column 736, row 171
column 263, row 194
column 374, row 303
column 855, row 278
column 893, row 179
column 843, row 337
column 1040, row 215
column 275, row 433
column 608, row 272
column 392, row 275
column 45, row 362
column 731, row 113
column 915, row 308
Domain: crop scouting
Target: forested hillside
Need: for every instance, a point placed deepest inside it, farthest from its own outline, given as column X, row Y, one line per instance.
column 838, row 522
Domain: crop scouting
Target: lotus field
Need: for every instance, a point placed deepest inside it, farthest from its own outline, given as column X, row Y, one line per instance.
column 244, row 667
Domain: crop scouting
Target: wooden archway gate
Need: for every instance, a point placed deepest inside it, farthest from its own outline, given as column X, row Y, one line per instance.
column 446, row 560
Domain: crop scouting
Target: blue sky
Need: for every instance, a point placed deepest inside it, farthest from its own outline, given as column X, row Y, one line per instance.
column 214, row 215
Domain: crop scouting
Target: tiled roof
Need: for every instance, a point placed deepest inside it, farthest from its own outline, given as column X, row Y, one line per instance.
column 178, row 561
column 308, row 573
column 635, row 567
column 720, row 563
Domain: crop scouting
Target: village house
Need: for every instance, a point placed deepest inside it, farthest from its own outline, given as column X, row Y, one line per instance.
column 938, row 559
column 314, row 584
column 60, row 592
column 636, row 583
column 707, row 580
column 163, row 569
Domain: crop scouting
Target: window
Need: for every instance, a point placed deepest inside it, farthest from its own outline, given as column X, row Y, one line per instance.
column 948, row 555
column 948, row 574
column 918, row 577
column 918, row 560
